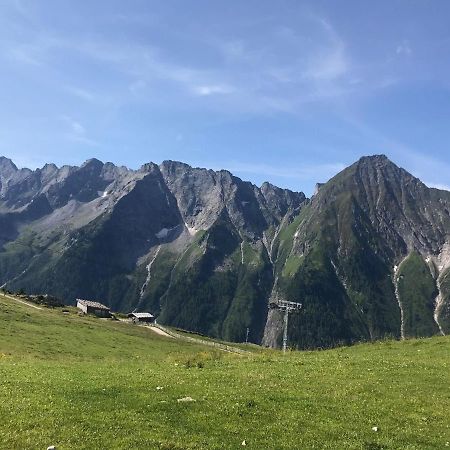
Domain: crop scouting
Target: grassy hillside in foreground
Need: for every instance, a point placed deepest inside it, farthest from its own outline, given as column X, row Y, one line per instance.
column 81, row 383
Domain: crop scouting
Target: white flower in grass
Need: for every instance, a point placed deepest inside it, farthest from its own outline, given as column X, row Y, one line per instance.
column 185, row 399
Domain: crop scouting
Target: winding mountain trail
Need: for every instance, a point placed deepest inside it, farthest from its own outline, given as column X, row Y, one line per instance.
column 160, row 331
column 224, row 347
column 169, row 333
column 23, row 302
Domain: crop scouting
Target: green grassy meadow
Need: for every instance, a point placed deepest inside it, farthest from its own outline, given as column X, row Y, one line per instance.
column 85, row 383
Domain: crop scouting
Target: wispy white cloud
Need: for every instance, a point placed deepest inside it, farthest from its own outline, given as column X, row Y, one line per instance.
column 330, row 62
column 254, row 77
column 329, row 66
column 74, row 126
column 77, row 132
column 81, row 93
column 206, row 90
column 246, row 75
column 404, row 48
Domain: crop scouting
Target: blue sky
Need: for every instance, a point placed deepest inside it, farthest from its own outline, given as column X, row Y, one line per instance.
column 287, row 91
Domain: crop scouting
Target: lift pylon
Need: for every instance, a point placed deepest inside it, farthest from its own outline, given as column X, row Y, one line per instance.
column 287, row 307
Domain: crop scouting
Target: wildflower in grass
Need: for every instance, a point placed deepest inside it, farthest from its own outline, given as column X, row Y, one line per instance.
column 185, row 399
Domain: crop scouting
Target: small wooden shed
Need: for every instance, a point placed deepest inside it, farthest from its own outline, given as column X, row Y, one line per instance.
column 90, row 307
column 142, row 317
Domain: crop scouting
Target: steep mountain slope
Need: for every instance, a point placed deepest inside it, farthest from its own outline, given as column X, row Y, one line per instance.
column 368, row 256
column 341, row 254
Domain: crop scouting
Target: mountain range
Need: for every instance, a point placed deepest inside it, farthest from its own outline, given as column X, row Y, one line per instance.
column 368, row 256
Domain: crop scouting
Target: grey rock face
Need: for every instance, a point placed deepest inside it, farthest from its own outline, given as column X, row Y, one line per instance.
column 280, row 201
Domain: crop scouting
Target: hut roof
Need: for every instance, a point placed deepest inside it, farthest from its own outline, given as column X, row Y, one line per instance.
column 91, row 304
column 142, row 315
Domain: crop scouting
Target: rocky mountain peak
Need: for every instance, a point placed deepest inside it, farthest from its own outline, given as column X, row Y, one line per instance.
column 49, row 168
column 149, row 167
column 375, row 159
column 281, row 200
column 7, row 167
column 172, row 167
column 93, row 164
